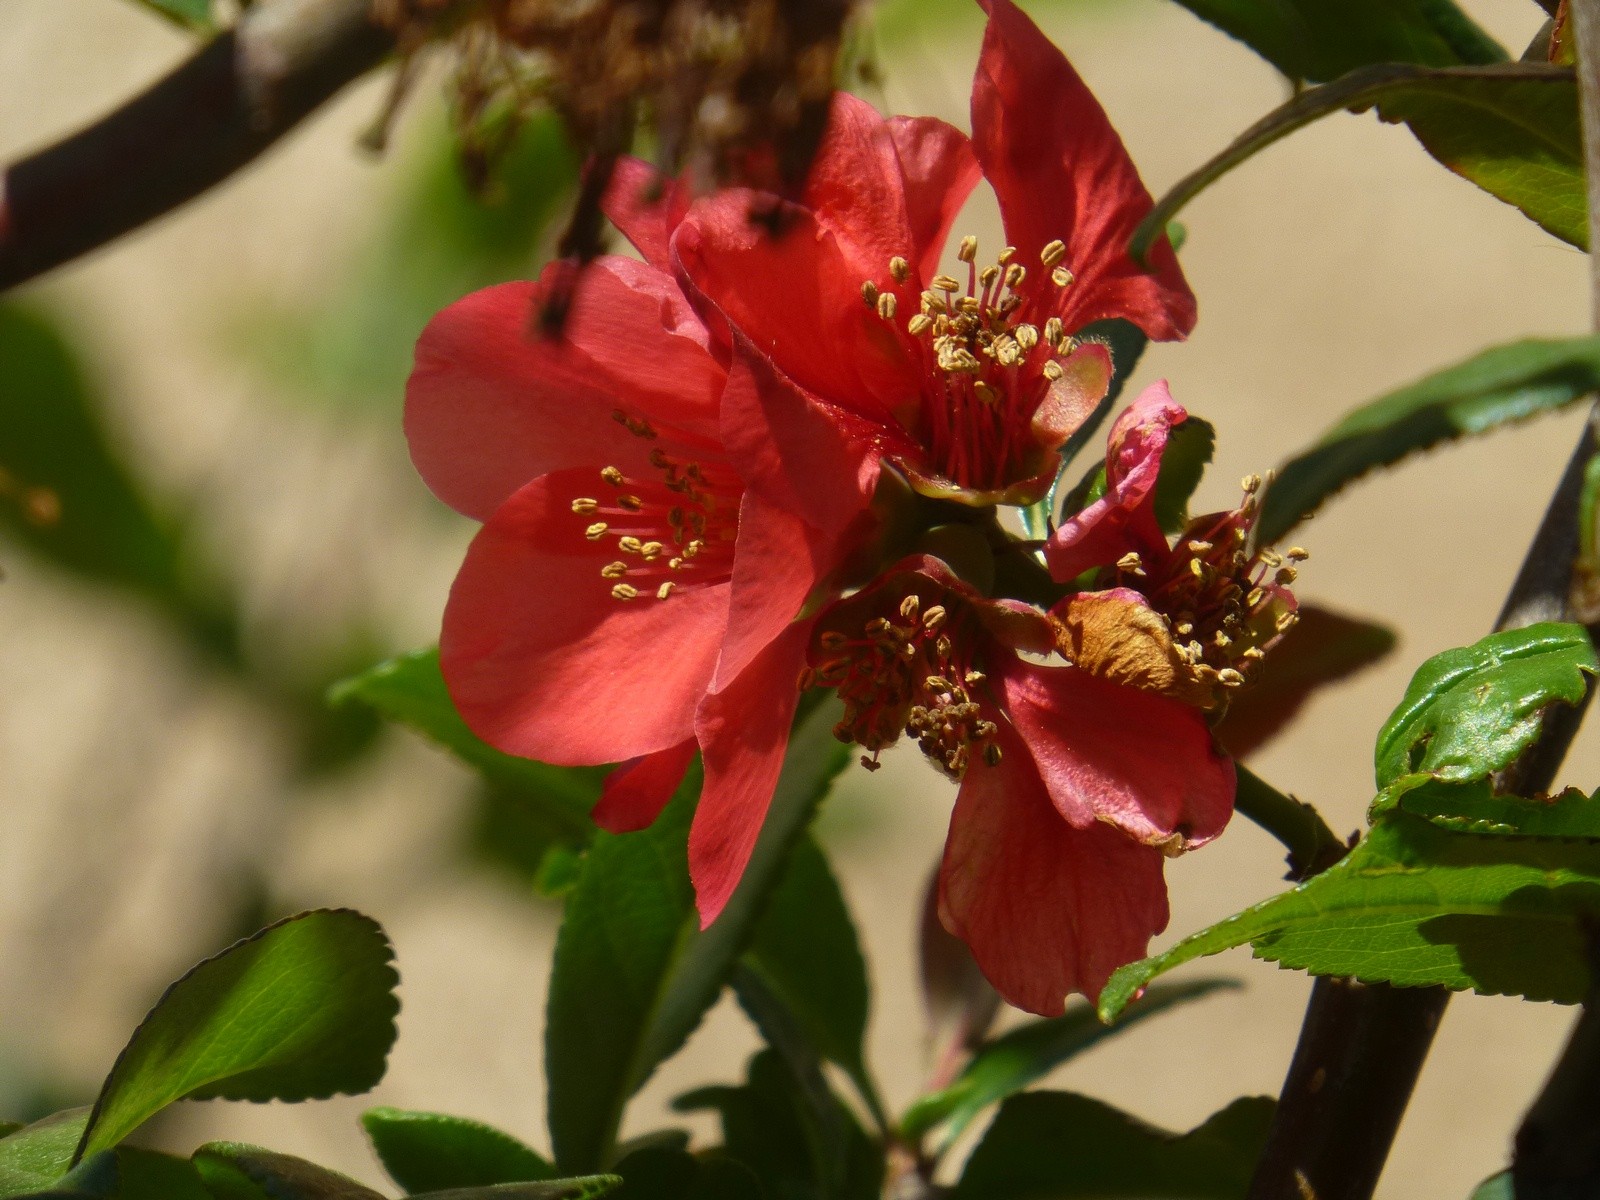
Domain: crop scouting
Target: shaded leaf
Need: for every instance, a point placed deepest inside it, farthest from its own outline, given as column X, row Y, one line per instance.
column 1056, row 1145
column 425, row 1151
column 1496, row 1187
column 1471, row 711
column 236, row 1171
column 1317, row 40
column 633, row 972
column 1321, row 648
column 1474, row 808
column 151, row 1175
column 584, row 1187
column 664, row 1174
column 1501, row 385
column 1414, row 904
column 1510, row 128
column 961, row 1004
column 1028, row 1053
column 1189, row 449
column 304, row 1009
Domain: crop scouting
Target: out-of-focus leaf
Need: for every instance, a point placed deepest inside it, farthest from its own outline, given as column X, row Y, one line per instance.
column 236, row 1171
column 304, row 1009
column 1320, row 649
column 440, row 242
column 425, row 1151
column 658, row 1173
column 806, row 952
column 1496, row 1187
column 1471, row 711
column 1414, row 905
column 151, row 1175
column 633, row 972
column 1062, row 1146
column 1030, row 1052
column 1510, row 128
column 37, row 1155
column 1497, row 387
column 191, row 14
column 1317, row 40
column 960, row 1003
column 1189, row 449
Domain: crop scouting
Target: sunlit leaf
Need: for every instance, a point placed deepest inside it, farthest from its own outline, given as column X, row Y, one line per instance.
column 37, row 1155
column 191, row 14
column 1061, row 1146
column 1497, row 387
column 425, row 1151
column 303, row 1009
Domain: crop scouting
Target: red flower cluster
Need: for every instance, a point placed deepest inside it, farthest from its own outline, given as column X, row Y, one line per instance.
column 698, row 496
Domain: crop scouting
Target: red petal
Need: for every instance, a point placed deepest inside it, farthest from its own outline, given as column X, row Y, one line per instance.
column 1060, row 171
column 1124, row 518
column 857, row 188
column 490, row 404
column 637, row 791
column 1108, row 753
column 646, row 206
column 743, row 732
column 543, row 662
column 940, row 172
column 1046, row 909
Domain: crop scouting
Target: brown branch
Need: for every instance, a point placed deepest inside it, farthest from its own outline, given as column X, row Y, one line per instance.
column 208, row 118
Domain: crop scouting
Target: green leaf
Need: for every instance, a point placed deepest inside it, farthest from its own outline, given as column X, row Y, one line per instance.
column 1471, row 711
column 1317, row 40
column 304, row 1009
column 1496, row 1187
column 1320, row 649
column 633, row 972
column 236, row 1171
column 1510, row 128
column 1416, row 905
column 151, row 1175
column 429, row 1151
column 1189, row 449
column 657, row 1173
column 1028, row 1053
column 37, row 1155
column 1056, row 1145
column 1474, row 808
column 191, row 14
column 1497, row 387
column 806, row 953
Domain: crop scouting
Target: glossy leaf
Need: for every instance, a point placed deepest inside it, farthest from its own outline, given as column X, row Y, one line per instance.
column 1189, row 450
column 1475, row 808
column 806, row 952
column 304, row 1009
column 1510, row 128
column 1321, row 648
column 1497, row 387
column 1414, row 905
column 1062, row 1146
column 1011, row 1062
column 1471, row 711
column 425, row 1151
column 1317, row 40
column 634, row 973
column 37, row 1155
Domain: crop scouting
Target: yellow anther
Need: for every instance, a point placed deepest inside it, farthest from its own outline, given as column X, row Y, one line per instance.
column 651, row 550
column 1285, row 575
column 969, row 305
column 1007, row 254
column 1053, row 371
column 1255, row 597
column 919, row 325
column 869, row 292
column 694, row 547
column 832, row 639
column 943, row 283
column 1254, row 653
column 1015, row 274
column 1297, row 554
column 596, row 531
column 984, row 392
column 900, row 269
column 624, row 591
column 1251, row 484
column 1061, row 277
column 1053, row 252
column 991, row 754
column 1131, row 563
column 886, row 306
column 968, row 250
column 629, row 545
column 1006, row 351
column 614, row 570
column 933, row 618
column 988, row 275
column 1285, row 620
column 1027, row 336
column 664, row 590
column 934, row 304
column 910, row 606
column 612, row 476
column 631, row 503
column 584, row 504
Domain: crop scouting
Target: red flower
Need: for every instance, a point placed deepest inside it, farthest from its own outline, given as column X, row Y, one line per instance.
column 640, row 567
column 1073, row 788
column 969, row 386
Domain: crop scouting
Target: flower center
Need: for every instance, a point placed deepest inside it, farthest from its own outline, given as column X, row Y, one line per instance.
column 911, row 673
column 985, row 369
column 674, row 528
column 1224, row 605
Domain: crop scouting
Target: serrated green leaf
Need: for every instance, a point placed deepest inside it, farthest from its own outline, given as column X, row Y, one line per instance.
column 37, row 1155
column 1498, row 387
column 1317, row 40
column 1028, row 1053
column 191, row 14
column 1059, row 1146
column 806, row 952
column 1321, row 648
column 237, row 1171
column 1471, row 711
column 1414, row 905
column 304, row 1009
column 1510, row 128
column 425, row 1151
column 1475, row 808
column 633, row 972
column 1190, row 446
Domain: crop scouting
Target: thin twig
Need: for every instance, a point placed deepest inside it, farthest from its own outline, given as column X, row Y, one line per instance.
column 211, row 116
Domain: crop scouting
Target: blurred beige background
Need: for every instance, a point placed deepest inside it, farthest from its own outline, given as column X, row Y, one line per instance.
column 1339, row 264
